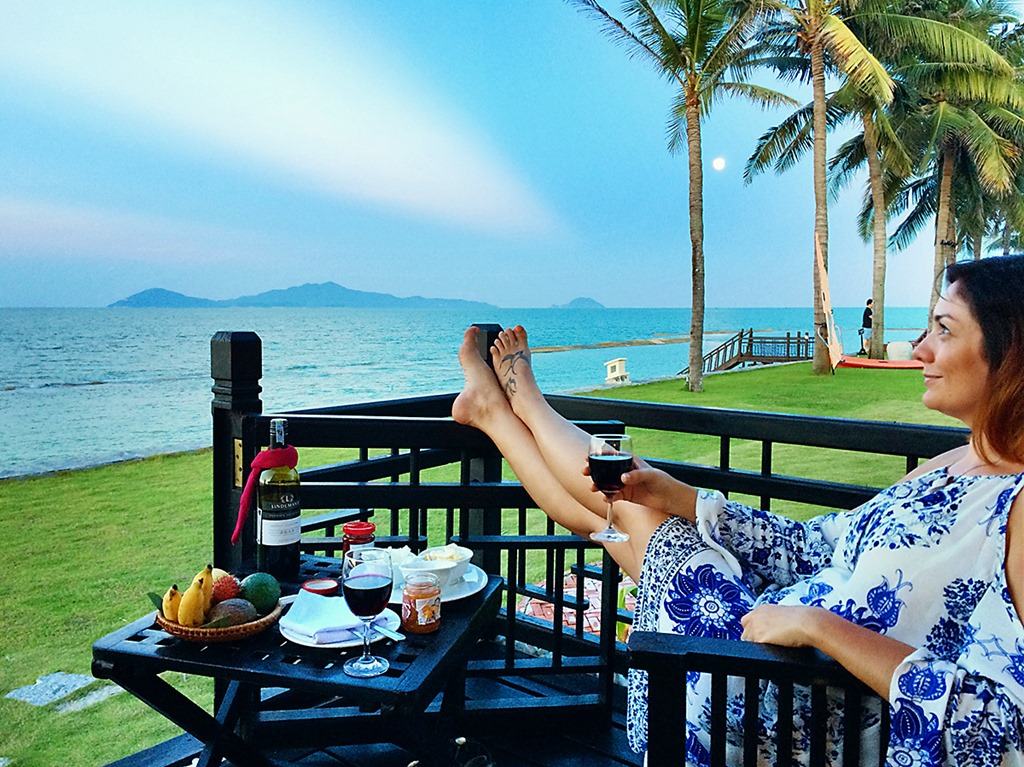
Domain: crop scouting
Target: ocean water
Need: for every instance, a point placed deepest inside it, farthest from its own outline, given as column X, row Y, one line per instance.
column 79, row 387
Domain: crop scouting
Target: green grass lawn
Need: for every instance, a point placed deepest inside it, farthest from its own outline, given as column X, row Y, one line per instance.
column 82, row 548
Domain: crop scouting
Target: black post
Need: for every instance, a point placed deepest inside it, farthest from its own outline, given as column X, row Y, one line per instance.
column 236, row 366
column 486, row 468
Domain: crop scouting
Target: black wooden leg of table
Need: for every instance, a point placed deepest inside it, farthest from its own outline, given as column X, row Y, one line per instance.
column 453, row 702
column 180, row 709
column 432, row 739
column 227, row 717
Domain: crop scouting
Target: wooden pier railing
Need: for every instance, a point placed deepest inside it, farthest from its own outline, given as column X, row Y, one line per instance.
column 745, row 348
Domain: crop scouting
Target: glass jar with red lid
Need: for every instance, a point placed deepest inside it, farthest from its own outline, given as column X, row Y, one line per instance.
column 358, row 534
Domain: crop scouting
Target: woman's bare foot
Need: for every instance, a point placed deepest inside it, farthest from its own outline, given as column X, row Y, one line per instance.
column 481, row 397
column 512, row 362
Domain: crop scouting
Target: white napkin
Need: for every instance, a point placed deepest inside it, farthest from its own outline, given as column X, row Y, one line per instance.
column 323, row 620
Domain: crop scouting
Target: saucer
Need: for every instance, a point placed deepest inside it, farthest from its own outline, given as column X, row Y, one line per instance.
column 392, row 622
column 469, row 584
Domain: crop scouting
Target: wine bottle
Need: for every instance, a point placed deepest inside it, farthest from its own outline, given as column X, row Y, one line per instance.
column 277, row 514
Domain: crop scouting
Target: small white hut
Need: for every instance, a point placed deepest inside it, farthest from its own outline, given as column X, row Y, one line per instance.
column 615, row 372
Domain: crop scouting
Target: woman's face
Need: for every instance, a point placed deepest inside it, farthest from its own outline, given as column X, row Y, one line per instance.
column 955, row 370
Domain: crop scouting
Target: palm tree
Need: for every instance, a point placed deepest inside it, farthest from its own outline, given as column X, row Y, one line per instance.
column 702, row 47
column 967, row 126
column 804, row 38
column 1006, row 219
column 902, row 40
column 878, row 147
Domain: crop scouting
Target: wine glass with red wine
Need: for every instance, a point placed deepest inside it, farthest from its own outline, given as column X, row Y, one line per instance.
column 366, row 582
column 611, row 456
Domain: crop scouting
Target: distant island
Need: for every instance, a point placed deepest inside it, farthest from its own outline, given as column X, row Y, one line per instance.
column 580, row 303
column 309, row 295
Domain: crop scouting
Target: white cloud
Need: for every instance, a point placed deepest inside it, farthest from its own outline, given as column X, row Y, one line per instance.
column 321, row 108
column 84, row 232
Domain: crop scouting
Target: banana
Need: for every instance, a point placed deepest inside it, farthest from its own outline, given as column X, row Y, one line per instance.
column 192, row 610
column 170, row 604
column 205, row 576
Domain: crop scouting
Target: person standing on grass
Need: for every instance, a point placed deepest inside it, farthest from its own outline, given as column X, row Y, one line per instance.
column 918, row 592
column 865, row 327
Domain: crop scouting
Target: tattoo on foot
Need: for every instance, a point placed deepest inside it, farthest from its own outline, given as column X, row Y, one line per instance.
column 508, row 368
column 510, row 360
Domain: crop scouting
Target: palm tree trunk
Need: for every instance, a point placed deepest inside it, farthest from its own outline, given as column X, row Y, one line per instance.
column 1006, row 236
column 695, row 377
column 976, row 246
column 821, row 364
column 952, row 243
column 877, row 348
column 945, row 210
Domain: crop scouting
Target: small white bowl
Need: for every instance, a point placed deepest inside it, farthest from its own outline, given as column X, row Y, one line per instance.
column 460, row 555
column 444, row 569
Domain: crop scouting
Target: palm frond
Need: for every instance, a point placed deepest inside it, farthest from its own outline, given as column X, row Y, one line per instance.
column 990, row 153
column 918, row 217
column 669, row 48
column 734, row 40
column 620, row 34
column 937, row 40
column 765, row 98
column 845, row 163
column 795, row 68
column 853, row 57
column 675, row 129
column 1008, row 123
column 965, row 84
column 795, row 130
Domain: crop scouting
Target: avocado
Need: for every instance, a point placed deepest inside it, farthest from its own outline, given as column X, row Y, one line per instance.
column 233, row 611
column 263, row 590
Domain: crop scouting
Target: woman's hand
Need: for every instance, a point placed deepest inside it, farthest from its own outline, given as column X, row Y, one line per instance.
column 647, row 486
column 871, row 657
column 788, row 625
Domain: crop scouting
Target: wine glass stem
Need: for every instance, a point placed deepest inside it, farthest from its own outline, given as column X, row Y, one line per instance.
column 366, row 638
column 609, row 512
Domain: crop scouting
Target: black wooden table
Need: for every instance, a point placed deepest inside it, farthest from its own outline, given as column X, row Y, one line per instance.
column 318, row 705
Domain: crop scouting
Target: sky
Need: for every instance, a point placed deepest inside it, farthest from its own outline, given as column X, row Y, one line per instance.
column 499, row 152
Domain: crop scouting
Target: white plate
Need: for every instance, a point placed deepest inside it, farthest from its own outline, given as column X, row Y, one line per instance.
column 469, row 584
column 392, row 622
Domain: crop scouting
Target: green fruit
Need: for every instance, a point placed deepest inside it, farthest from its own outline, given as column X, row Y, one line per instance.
column 232, row 612
column 263, row 590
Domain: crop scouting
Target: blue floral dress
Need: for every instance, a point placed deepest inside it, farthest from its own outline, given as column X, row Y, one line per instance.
column 922, row 562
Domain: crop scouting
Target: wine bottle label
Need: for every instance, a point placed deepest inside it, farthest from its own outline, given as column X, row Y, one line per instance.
column 277, row 532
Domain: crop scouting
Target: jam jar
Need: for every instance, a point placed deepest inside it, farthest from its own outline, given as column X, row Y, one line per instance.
column 421, row 603
column 357, row 535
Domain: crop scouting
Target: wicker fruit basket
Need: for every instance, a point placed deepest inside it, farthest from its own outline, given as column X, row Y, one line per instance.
column 226, row 634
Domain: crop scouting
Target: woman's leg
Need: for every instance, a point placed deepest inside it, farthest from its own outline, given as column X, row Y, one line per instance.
column 687, row 588
column 482, row 404
column 563, row 445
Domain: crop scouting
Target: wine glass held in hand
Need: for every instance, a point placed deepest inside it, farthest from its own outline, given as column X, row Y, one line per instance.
column 366, row 583
column 611, row 456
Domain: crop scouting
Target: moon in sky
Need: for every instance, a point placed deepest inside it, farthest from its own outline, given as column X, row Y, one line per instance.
column 718, row 163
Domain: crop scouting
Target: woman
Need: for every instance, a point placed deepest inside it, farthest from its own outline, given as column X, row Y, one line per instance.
column 918, row 592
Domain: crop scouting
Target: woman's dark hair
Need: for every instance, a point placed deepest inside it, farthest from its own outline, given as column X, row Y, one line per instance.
column 994, row 290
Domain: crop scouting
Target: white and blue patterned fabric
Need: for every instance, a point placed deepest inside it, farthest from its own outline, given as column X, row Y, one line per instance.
column 922, row 562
